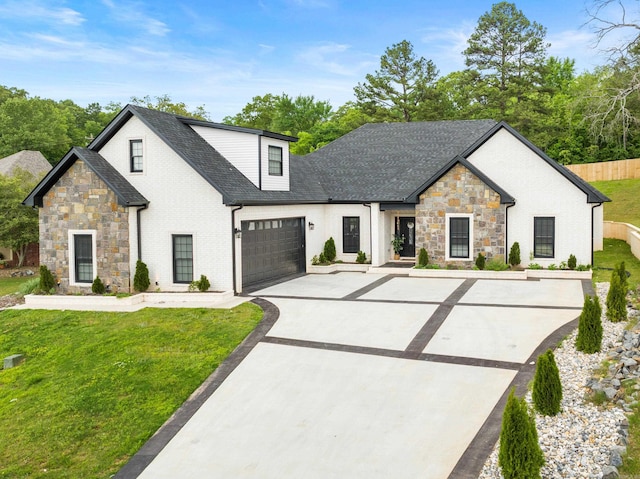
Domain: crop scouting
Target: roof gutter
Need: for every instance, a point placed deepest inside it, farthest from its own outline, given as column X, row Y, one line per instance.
column 233, row 246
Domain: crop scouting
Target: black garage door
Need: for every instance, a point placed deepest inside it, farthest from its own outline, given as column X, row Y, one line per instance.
column 272, row 249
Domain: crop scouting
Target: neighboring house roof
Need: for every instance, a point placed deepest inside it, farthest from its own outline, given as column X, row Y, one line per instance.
column 28, row 160
column 127, row 195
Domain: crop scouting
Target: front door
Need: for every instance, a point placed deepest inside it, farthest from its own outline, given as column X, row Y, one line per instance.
column 406, row 226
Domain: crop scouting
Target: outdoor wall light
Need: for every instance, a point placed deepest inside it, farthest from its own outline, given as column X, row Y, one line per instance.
column 237, row 232
column 311, row 225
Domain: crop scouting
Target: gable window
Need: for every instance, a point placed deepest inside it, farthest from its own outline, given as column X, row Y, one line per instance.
column 544, row 237
column 135, row 154
column 350, row 234
column 182, row 258
column 459, row 233
column 275, row 160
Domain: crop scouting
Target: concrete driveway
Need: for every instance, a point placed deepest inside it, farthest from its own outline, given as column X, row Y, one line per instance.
column 366, row 376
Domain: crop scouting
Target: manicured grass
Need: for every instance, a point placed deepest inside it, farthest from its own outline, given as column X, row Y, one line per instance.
column 11, row 285
column 613, row 253
column 95, row 386
column 625, row 204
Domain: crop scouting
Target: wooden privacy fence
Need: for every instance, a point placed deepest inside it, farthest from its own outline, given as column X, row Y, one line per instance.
column 626, row 232
column 608, row 170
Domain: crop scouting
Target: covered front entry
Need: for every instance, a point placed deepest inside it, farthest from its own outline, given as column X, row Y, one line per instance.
column 406, row 226
column 272, row 249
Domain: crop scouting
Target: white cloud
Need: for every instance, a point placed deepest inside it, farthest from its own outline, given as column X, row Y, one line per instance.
column 336, row 58
column 33, row 10
column 264, row 49
column 132, row 14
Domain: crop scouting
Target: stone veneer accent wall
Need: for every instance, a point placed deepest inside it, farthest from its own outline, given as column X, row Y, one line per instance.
column 460, row 191
column 80, row 200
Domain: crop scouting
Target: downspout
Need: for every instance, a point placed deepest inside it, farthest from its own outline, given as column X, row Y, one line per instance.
column 139, row 230
column 233, row 246
column 593, row 232
column 259, row 163
column 506, row 233
column 368, row 205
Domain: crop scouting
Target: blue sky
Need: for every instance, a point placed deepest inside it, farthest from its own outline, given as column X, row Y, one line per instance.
column 221, row 53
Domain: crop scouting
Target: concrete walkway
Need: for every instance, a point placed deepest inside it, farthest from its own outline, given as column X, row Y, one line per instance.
column 366, row 376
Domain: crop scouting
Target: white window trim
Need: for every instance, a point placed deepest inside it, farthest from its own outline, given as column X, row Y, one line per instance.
column 72, row 256
column 446, row 246
column 144, row 155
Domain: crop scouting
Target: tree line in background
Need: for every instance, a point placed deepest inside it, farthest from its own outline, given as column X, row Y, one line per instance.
column 574, row 118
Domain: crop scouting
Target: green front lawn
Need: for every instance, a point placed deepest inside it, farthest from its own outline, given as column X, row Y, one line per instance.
column 613, row 253
column 625, row 204
column 11, row 285
column 95, row 386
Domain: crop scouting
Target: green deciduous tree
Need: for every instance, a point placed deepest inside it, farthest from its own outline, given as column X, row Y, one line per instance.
column 547, row 388
column 520, row 456
column 19, row 224
column 403, row 89
column 166, row 104
column 589, row 338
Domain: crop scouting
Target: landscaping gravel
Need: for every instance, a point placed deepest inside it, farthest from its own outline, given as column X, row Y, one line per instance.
column 584, row 440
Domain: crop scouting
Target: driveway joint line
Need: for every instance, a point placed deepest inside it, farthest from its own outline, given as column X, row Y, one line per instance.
column 370, row 287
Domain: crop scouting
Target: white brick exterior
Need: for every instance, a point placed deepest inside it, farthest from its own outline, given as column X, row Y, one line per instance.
column 180, row 202
column 539, row 190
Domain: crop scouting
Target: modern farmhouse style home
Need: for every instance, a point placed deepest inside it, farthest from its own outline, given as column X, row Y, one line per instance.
column 190, row 197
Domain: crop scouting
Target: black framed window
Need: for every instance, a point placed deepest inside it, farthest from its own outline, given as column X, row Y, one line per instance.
column 275, row 160
column 83, row 261
column 459, row 237
column 544, row 236
column 135, row 152
column 182, row 258
column 350, row 234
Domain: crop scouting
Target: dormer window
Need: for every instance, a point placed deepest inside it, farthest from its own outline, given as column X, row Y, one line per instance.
column 275, row 161
column 135, row 153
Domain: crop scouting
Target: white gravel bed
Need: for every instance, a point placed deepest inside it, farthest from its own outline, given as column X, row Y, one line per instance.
column 577, row 442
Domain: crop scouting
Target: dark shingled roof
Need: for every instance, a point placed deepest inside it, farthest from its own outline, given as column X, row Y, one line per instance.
column 127, row 195
column 387, row 162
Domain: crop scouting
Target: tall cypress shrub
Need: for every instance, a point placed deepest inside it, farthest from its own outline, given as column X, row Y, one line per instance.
column 47, row 281
column 423, row 258
column 547, row 388
column 622, row 272
column 514, row 254
column 520, row 456
column 141, row 277
column 616, row 299
column 589, row 339
column 330, row 249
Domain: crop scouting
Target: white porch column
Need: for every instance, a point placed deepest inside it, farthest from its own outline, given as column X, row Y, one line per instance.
column 377, row 234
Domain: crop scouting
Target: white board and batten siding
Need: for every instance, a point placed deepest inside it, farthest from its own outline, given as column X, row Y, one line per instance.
column 539, row 190
column 179, row 202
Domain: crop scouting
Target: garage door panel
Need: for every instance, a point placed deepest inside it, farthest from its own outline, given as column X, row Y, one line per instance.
column 272, row 249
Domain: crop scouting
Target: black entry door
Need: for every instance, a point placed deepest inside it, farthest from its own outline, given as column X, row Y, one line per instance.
column 272, row 249
column 406, row 226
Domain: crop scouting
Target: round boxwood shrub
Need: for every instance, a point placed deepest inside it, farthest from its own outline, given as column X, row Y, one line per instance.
column 330, row 249
column 572, row 262
column 589, row 339
column 547, row 389
column 480, row 261
column 361, row 258
column 203, row 284
column 141, row 277
column 520, row 456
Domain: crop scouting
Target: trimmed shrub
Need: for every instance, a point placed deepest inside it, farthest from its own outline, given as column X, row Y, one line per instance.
column 480, row 261
column 572, row 262
column 330, row 249
column 141, row 277
column 47, row 281
column 361, row 258
column 616, row 299
column 496, row 264
column 514, row 254
column 547, row 389
column 322, row 259
column 520, row 456
column 97, row 287
column 203, row 284
column 589, row 339
column 423, row 258
column 622, row 272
